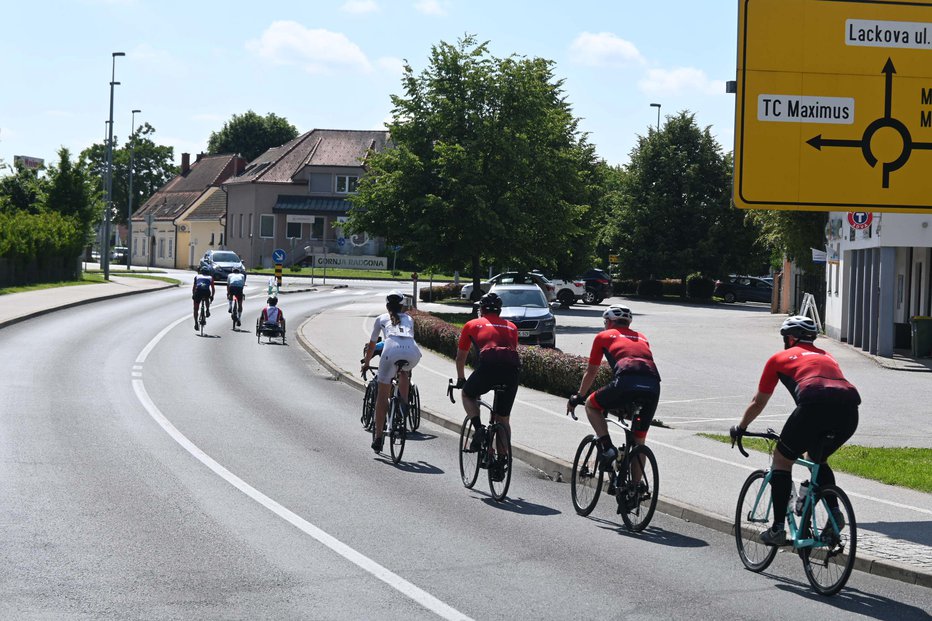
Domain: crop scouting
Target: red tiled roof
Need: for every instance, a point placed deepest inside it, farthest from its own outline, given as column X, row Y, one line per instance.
column 212, row 207
column 181, row 191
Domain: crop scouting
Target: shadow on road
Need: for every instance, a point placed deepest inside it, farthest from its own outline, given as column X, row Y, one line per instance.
column 855, row 601
column 917, row 532
column 653, row 534
column 517, row 505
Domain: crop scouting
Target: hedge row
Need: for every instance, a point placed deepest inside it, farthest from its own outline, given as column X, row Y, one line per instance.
column 439, row 292
column 39, row 247
column 548, row 370
column 697, row 287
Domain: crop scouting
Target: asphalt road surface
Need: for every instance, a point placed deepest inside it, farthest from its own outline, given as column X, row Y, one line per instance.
column 147, row 472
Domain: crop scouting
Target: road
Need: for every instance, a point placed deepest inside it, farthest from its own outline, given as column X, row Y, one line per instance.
column 151, row 473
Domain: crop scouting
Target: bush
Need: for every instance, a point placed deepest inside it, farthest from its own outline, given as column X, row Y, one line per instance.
column 699, row 287
column 439, row 292
column 295, row 267
column 549, row 370
column 650, row 289
column 673, row 286
column 625, row 287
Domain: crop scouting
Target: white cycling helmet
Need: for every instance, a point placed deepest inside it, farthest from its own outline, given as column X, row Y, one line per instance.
column 396, row 296
column 617, row 312
column 800, row 326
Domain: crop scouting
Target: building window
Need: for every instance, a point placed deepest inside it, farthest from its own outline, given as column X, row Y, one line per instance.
column 317, row 228
column 221, row 239
column 293, row 230
column 241, row 226
column 346, row 184
column 250, row 225
column 211, row 243
column 266, row 225
column 161, row 248
column 135, row 245
column 171, row 244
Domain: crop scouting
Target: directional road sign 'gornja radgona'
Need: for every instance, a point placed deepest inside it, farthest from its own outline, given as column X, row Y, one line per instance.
column 834, row 105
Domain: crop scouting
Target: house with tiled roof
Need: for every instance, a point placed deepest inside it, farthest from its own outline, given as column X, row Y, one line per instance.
column 294, row 197
column 185, row 217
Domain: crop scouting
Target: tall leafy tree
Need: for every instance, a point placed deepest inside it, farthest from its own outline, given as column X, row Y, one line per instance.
column 792, row 234
column 674, row 215
column 22, row 191
column 153, row 166
column 251, row 135
column 71, row 191
column 486, row 165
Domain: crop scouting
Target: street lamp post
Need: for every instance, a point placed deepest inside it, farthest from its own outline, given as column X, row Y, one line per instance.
column 129, row 195
column 657, row 105
column 105, row 252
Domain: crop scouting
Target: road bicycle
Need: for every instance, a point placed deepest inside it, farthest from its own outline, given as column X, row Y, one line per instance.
column 395, row 426
column 235, row 312
column 634, row 479
column 822, row 526
column 368, row 399
column 202, row 315
column 494, row 451
column 414, row 407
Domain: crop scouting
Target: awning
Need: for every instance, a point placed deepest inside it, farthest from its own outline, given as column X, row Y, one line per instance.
column 310, row 205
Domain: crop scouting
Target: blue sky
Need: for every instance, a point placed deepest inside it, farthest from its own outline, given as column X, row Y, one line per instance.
column 190, row 66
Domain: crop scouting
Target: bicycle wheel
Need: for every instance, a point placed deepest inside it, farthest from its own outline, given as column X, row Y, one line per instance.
column 203, row 318
column 234, row 315
column 469, row 459
column 752, row 517
column 828, row 564
column 586, row 480
column 397, row 431
column 414, row 407
column 368, row 405
column 640, row 495
column 500, row 462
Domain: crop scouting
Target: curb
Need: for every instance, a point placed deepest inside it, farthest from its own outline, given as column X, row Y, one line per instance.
column 560, row 471
column 46, row 311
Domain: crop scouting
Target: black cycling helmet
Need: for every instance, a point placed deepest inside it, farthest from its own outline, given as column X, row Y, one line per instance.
column 205, row 270
column 236, row 270
column 272, row 301
column 490, row 302
column 801, row 327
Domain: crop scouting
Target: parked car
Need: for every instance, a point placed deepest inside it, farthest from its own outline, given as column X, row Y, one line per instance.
column 221, row 263
column 567, row 290
column 119, row 254
column 513, row 278
column 743, row 289
column 528, row 309
column 598, row 285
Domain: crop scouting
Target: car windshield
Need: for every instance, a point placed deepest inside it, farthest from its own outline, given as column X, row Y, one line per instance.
column 522, row 297
column 225, row 257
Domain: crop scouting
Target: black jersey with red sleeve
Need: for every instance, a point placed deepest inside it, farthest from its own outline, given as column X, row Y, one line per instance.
column 810, row 374
column 625, row 350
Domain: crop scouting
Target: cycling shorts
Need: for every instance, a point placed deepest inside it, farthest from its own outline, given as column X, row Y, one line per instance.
column 627, row 389
column 396, row 349
column 235, row 291
column 817, row 428
column 495, row 370
column 201, row 294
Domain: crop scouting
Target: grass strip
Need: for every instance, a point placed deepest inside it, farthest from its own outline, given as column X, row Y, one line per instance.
column 901, row 466
column 88, row 279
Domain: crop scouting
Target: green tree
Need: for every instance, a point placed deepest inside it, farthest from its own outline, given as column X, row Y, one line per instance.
column 251, row 135
column 153, row 166
column 791, row 234
column 22, row 191
column 71, row 193
column 674, row 214
column 486, row 166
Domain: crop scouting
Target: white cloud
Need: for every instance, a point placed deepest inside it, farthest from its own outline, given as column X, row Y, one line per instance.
column 680, row 80
column 391, row 65
column 604, row 49
column 430, row 7
column 360, row 7
column 317, row 50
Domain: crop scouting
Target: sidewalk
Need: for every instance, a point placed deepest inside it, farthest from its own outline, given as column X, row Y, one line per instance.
column 16, row 307
column 895, row 524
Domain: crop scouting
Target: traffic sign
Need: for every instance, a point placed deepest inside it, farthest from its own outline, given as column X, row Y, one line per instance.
column 860, row 219
column 278, row 255
column 341, row 241
column 834, row 105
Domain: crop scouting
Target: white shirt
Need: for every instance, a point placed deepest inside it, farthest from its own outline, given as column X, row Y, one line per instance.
column 236, row 280
column 383, row 326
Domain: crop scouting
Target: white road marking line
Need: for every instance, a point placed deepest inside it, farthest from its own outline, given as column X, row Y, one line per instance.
column 390, row 578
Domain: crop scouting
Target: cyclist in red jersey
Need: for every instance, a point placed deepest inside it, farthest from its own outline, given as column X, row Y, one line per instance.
column 495, row 341
column 826, row 414
column 635, row 377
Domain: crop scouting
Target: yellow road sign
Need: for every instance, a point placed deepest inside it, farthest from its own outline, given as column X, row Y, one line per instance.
column 834, row 105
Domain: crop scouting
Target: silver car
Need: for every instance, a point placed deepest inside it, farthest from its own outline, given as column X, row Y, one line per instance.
column 526, row 307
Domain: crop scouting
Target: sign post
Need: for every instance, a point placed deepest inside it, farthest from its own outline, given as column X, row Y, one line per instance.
column 278, row 256
column 834, row 105
column 414, row 289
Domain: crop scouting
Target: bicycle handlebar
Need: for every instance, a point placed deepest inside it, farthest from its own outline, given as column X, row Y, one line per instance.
column 450, row 387
column 368, row 369
column 770, row 434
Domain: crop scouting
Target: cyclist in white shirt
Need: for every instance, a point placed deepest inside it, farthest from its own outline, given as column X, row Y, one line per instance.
column 397, row 330
column 235, row 283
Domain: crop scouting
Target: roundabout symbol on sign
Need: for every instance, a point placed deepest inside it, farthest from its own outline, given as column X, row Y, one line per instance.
column 886, row 120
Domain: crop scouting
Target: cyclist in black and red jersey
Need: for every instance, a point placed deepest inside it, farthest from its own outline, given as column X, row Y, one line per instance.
column 496, row 342
column 635, row 378
column 826, row 414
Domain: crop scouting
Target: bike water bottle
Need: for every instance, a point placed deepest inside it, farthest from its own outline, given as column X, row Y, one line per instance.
column 801, row 499
column 791, row 505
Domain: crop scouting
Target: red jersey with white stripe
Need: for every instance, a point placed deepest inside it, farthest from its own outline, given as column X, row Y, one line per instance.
column 625, row 350
column 809, row 373
column 489, row 332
